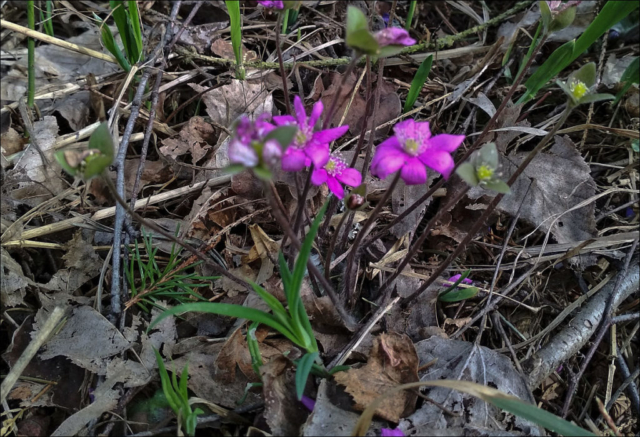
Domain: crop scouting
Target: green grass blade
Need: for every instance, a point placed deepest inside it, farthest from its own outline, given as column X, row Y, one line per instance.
column 534, row 43
column 183, row 383
column 418, row 82
column 135, row 27
column 306, row 325
column 459, row 294
column 225, row 309
column 109, row 42
column 278, row 310
column 285, row 273
column 612, row 12
column 120, row 17
column 300, row 267
column 302, row 372
column 166, row 386
column 235, row 21
column 412, row 8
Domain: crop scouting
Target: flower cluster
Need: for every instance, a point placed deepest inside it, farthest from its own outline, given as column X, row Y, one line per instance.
column 294, row 142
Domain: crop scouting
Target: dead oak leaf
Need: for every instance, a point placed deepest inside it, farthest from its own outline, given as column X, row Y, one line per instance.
column 195, row 138
column 393, row 361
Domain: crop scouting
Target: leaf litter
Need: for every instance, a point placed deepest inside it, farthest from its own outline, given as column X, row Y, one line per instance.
column 408, row 343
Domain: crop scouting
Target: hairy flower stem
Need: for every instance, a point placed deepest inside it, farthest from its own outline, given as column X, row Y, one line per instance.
column 372, row 131
column 151, row 225
column 332, row 245
column 302, row 201
column 349, row 276
column 281, row 63
column 488, row 211
column 280, row 215
column 477, row 143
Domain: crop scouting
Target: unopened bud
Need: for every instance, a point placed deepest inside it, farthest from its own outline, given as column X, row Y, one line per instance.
column 355, row 201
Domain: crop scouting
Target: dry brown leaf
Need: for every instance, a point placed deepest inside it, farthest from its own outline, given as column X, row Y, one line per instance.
column 195, row 138
column 357, row 107
column 228, row 102
column 389, row 108
column 12, row 142
column 393, row 361
column 224, row 49
column 13, row 282
column 283, row 412
column 234, row 352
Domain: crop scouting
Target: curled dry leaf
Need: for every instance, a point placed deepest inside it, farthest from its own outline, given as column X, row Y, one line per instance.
column 194, row 138
column 393, row 361
column 559, row 181
column 13, row 282
column 461, row 360
column 284, row 413
column 228, row 102
column 88, row 339
column 224, row 49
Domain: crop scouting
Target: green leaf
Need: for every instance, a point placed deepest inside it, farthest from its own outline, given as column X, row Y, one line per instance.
column 452, row 287
column 337, row 369
column 611, row 13
column 388, row 51
column 488, row 155
column 135, row 27
column 590, row 98
column 225, row 309
column 356, row 20
column 234, row 169
column 235, row 20
column 171, row 396
column 635, row 145
column 363, row 42
column 121, row 18
column 285, row 273
column 418, row 82
column 302, row 372
column 283, row 135
column 545, row 14
column 563, row 19
column 109, row 42
column 629, row 77
column 262, row 173
column 62, row 160
column 497, row 185
column 101, row 140
column 585, row 74
column 278, row 310
column 459, row 294
column 95, row 165
column 467, row 173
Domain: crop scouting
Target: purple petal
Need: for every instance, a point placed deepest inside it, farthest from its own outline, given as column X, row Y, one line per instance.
column 423, row 129
column 390, row 145
column 319, row 176
column 284, row 120
column 396, row 432
column 316, row 112
column 440, row 161
column 275, row 4
column 335, row 187
column 392, row 162
column 271, row 152
column 240, row 153
column 445, row 142
column 454, row 278
column 293, row 160
column 301, row 114
column 394, row 36
column 413, row 172
column 318, row 153
column 350, row 177
column 308, row 402
column 328, row 135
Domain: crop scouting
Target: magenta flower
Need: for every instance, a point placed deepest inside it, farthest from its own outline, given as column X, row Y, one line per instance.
column 335, row 171
column 411, row 149
column 308, row 402
column 272, row 4
column 454, row 278
column 396, row 432
column 394, row 36
column 246, row 147
column 308, row 147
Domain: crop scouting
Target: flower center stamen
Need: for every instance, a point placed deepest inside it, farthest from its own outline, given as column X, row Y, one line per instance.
column 578, row 89
column 411, row 146
column 335, row 165
column 484, row 173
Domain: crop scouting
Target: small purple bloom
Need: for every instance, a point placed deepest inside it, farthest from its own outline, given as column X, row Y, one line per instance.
column 272, row 4
column 454, row 278
column 396, row 432
column 308, row 147
column 248, row 134
column 411, row 149
column 394, row 36
column 308, row 402
column 334, row 172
